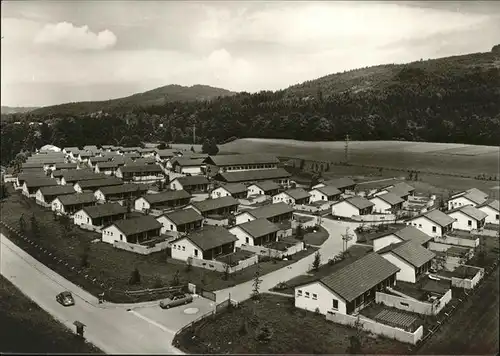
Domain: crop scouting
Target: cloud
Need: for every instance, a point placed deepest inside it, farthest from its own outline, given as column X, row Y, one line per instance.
column 65, row 34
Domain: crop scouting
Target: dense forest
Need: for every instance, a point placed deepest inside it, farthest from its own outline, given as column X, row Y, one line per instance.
column 455, row 99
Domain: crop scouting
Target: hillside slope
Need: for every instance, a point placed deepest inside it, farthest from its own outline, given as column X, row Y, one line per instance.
column 16, row 110
column 158, row 96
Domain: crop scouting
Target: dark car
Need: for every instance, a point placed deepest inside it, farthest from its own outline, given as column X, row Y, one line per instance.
column 176, row 300
column 65, row 298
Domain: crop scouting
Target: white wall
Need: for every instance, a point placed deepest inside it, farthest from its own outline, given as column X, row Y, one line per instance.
column 324, row 299
column 167, row 224
column 283, row 198
column 344, row 209
column 219, row 193
column 382, row 242
column 81, row 217
column 99, row 195
column 407, row 272
column 425, row 225
column 316, row 195
column 141, row 204
column 492, row 214
column 57, row 206
column 39, row 196
column 458, row 202
column 242, row 236
column 77, row 188
column 380, row 205
column 254, row 190
column 191, row 170
column 462, row 222
column 183, row 248
column 244, row 217
column 175, row 185
column 111, row 234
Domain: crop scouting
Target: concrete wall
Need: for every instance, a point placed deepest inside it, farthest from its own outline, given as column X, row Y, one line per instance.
column 264, row 251
column 90, row 227
column 459, row 241
column 378, row 328
column 314, row 208
column 140, row 249
column 253, row 200
column 316, row 296
column 413, row 306
column 216, row 222
column 375, row 218
column 218, row 266
column 468, row 283
column 310, row 223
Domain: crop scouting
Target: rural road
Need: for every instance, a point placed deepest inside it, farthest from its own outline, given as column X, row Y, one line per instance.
column 113, row 330
column 331, row 247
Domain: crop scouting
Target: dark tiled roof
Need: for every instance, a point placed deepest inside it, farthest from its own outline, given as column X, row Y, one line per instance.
column 475, row 195
column 143, row 160
column 80, row 175
column 187, row 162
column 75, row 199
column 252, row 175
column 268, row 211
column 400, row 192
column 359, row 202
column 99, row 159
column 35, row 174
column 235, row 160
column 153, row 168
column 329, row 190
column 123, row 188
column 66, row 165
column 192, row 180
column 411, row 233
column 267, row 185
column 56, row 190
column 211, row 236
column 108, row 164
column 297, row 193
column 470, row 211
column 166, row 196
column 437, row 216
column 411, row 252
column 38, row 182
column 32, row 165
column 360, row 276
column 340, row 183
column 404, row 186
column 390, row 198
column 234, row 188
column 492, row 203
column 259, row 227
column 184, row 216
column 102, row 210
column 97, row 183
column 212, row 204
column 137, row 225
column 167, row 153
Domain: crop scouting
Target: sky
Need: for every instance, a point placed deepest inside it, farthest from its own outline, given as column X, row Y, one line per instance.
column 62, row 51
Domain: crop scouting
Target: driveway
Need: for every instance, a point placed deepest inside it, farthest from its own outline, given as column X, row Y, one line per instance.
column 331, row 247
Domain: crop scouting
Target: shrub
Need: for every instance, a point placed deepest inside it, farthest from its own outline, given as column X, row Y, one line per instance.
column 135, row 277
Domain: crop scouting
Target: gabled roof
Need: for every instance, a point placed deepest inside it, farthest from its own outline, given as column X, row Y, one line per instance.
column 411, row 252
column 35, row 174
column 234, row 188
column 38, row 182
column 123, row 188
column 56, row 190
column 102, row 210
column 241, row 159
column 400, row 186
column 267, row 185
column 187, row 162
column 99, row 159
column 167, row 152
column 167, row 196
column 130, row 149
column 85, row 154
column 212, row 204
column 297, row 193
column 474, row 195
column 389, row 198
column 90, row 147
column 411, row 233
column 436, row 216
column 398, row 191
column 137, row 225
column 108, row 164
column 183, row 216
column 143, row 160
column 77, row 198
column 360, row 276
column 252, row 175
column 328, row 190
column 131, row 155
column 192, row 180
column 258, row 227
column 358, row 202
column 32, row 165
column 210, row 237
column 66, row 165
column 80, row 175
column 153, row 168
column 268, row 211
column 470, row 211
column 194, row 155
column 98, row 183
column 340, row 183
column 492, row 203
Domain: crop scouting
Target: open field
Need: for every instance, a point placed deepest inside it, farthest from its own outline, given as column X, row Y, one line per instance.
column 469, row 160
column 110, row 266
column 294, row 331
column 26, row 328
column 473, row 329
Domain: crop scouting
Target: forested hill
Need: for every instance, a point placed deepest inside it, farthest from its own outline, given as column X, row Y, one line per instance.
column 155, row 97
column 455, row 99
column 15, row 109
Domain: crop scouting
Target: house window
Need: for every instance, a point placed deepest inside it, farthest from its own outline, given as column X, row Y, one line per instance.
column 307, row 294
column 497, row 216
column 434, row 229
column 247, row 240
column 315, row 296
column 183, row 248
column 419, row 225
column 299, row 293
column 335, row 304
column 171, row 227
column 469, row 222
column 196, row 253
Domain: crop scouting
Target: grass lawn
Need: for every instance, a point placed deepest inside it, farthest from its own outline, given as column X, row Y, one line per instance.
column 111, row 266
column 294, row 331
column 474, row 328
column 316, row 238
column 489, row 245
column 352, row 254
column 26, row 328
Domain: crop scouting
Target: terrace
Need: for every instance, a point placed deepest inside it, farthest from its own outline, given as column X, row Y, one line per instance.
column 393, row 317
column 424, row 289
column 232, row 259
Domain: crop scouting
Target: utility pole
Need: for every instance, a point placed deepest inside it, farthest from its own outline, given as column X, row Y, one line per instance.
column 194, row 134
column 345, row 239
column 346, row 151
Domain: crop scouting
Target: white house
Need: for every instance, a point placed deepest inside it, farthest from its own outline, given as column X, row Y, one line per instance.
column 325, row 193
column 255, row 233
column 490, row 207
column 239, row 162
column 207, row 244
column 162, row 201
column 387, row 203
column 95, row 184
column 343, row 184
column 109, row 168
column 71, row 203
column 95, row 217
column 275, row 213
column 191, row 184
column 434, row 223
column 467, row 218
column 411, row 258
column 180, row 221
column 145, row 173
column 292, row 197
column 263, row 188
column 32, row 184
column 352, row 207
column 187, row 165
column 408, row 233
column 471, row 196
column 237, row 191
column 401, row 189
column 45, row 195
column 348, row 289
column 135, row 231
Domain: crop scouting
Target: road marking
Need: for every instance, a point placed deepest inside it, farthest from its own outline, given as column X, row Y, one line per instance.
column 151, row 321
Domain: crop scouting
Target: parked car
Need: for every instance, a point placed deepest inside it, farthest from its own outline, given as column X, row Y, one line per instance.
column 176, row 301
column 65, row 298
